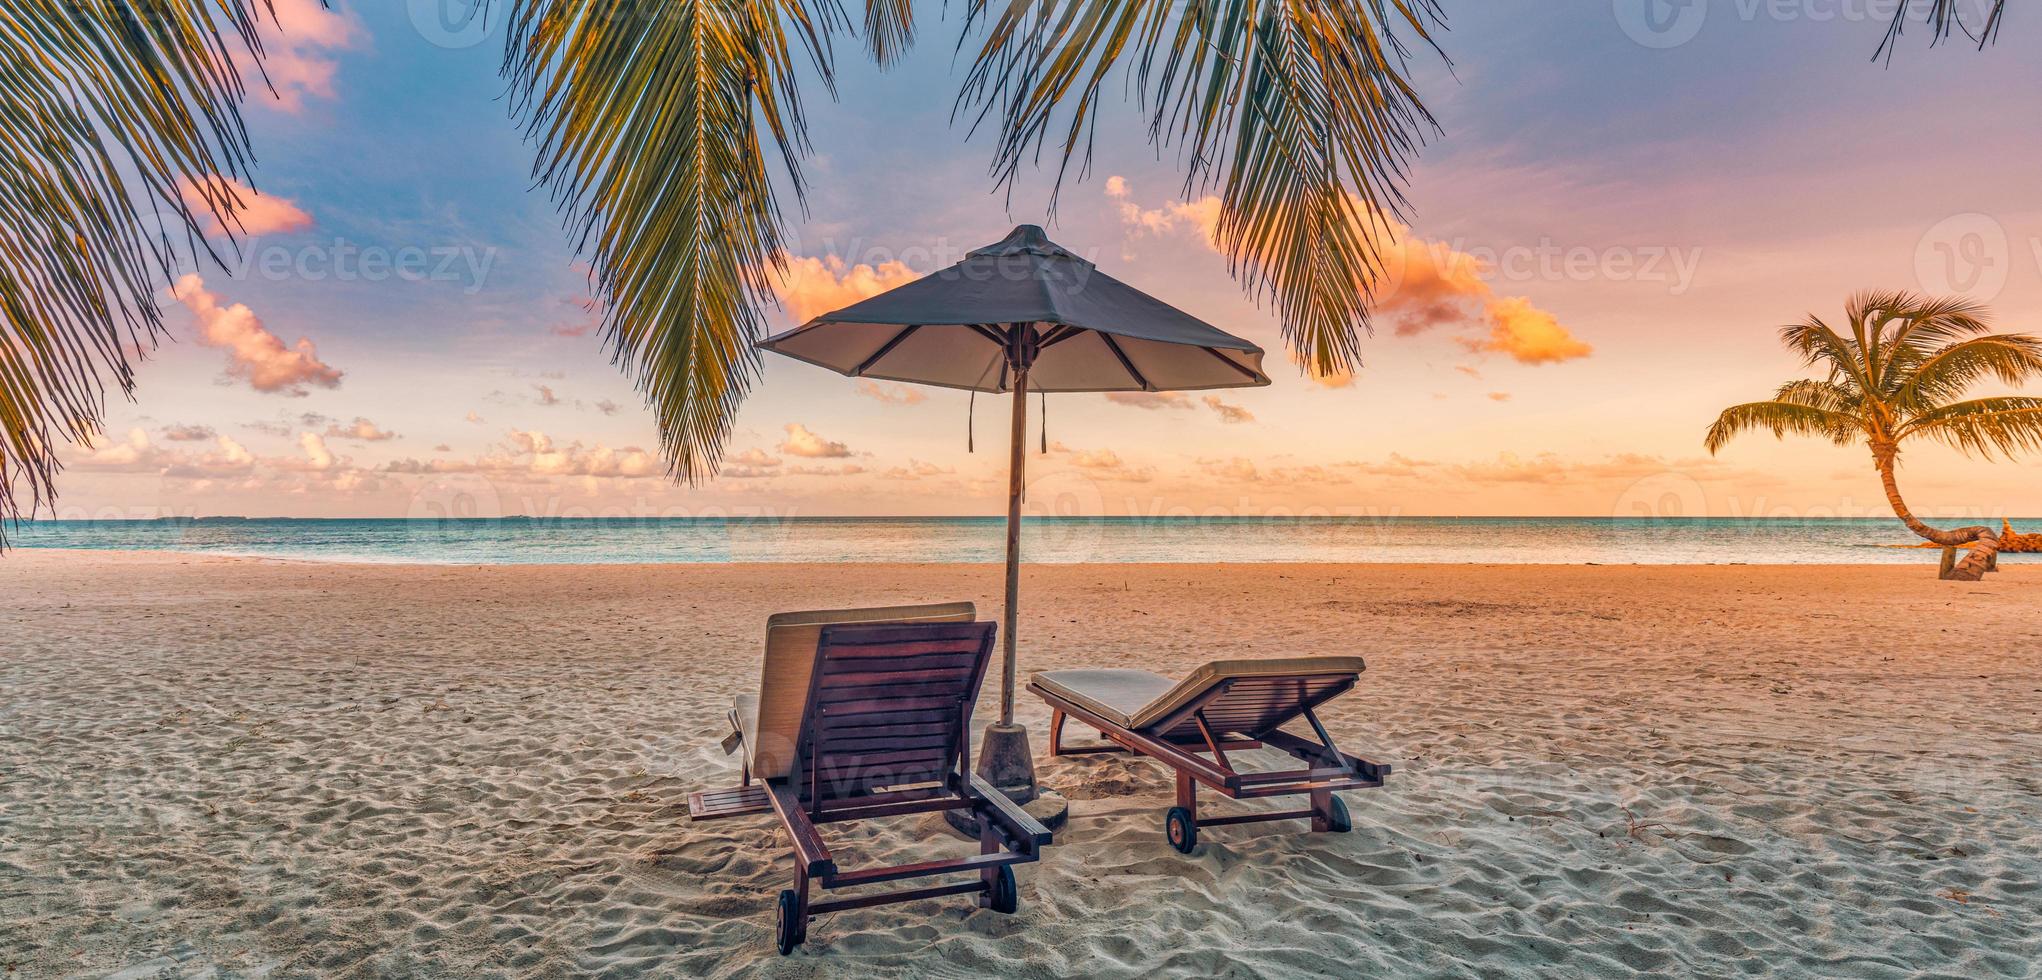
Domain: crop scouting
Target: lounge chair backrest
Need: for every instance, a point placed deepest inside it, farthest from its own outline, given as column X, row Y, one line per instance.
column 1259, row 695
column 890, row 705
column 791, row 639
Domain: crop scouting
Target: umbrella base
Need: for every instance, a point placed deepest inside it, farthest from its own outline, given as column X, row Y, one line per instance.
column 1005, row 760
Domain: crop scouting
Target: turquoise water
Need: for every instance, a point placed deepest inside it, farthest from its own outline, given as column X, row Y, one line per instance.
column 1505, row 540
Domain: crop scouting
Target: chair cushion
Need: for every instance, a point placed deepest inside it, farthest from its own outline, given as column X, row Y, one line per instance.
column 1136, row 699
column 790, row 660
column 1112, row 694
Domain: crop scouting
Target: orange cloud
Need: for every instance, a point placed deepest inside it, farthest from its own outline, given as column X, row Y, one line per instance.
column 810, row 287
column 808, row 445
column 1422, row 285
column 1105, row 464
column 253, row 352
column 1526, row 333
column 1150, row 400
column 247, row 211
column 1499, row 396
column 1230, row 414
column 889, row 393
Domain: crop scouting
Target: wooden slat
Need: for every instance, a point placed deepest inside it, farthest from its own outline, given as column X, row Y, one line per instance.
column 889, row 898
column 873, row 719
column 874, row 876
column 854, row 743
column 834, row 760
column 958, row 666
column 866, row 657
column 808, row 844
column 722, row 803
column 839, row 709
column 836, row 732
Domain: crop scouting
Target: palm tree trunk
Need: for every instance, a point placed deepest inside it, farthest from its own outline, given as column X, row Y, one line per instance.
column 1984, row 542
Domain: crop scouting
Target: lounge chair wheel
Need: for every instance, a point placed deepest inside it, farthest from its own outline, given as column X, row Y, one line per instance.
column 792, row 929
column 1006, row 894
column 1339, row 822
column 1182, row 829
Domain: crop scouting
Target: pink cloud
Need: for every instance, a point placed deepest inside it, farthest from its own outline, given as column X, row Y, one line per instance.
column 253, row 352
column 247, row 211
column 298, row 51
column 360, row 429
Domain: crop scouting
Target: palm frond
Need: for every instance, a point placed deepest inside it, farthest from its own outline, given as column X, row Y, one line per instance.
column 1912, row 327
column 889, row 29
column 1782, row 419
column 650, row 121
column 1828, row 396
column 1304, row 106
column 1945, row 18
column 1946, row 373
column 110, row 108
column 1818, row 344
column 1985, row 426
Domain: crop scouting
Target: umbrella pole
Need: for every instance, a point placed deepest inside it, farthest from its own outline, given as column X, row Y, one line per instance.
column 1005, row 760
column 1016, row 471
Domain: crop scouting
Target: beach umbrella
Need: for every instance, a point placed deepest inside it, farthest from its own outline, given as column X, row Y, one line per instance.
column 1024, row 315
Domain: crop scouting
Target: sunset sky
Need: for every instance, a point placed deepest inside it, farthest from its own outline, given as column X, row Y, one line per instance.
column 1601, row 246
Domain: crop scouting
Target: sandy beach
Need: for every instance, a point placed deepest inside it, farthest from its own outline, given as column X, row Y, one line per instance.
column 230, row 767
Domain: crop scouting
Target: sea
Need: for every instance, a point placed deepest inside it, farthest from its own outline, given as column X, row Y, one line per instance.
column 1061, row 540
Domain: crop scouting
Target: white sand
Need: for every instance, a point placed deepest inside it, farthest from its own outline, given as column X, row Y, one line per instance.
column 230, row 767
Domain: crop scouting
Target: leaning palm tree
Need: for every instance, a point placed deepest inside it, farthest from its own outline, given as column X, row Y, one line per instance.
column 1894, row 374
column 654, row 122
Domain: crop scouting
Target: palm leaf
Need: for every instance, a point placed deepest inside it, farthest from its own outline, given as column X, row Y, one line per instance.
column 889, row 29
column 1782, row 419
column 1985, row 426
column 1945, row 18
column 650, row 122
column 1946, row 373
column 111, row 106
column 1303, row 105
column 1818, row 344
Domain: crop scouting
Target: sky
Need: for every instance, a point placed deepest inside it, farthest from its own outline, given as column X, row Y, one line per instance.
column 1624, row 203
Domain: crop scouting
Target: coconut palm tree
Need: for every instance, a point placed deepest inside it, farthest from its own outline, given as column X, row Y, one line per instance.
column 1895, row 373
column 653, row 122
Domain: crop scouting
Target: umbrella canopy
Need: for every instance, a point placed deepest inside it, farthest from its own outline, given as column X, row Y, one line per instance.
column 1025, row 314
column 1092, row 332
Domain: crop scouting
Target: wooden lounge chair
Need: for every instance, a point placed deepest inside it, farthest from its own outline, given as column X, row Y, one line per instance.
column 867, row 713
column 1224, row 706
